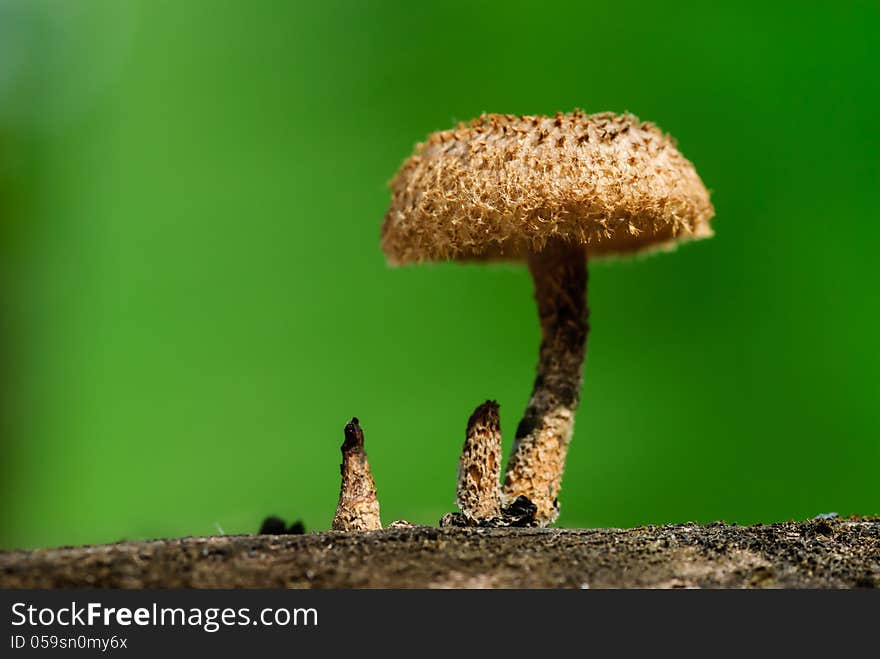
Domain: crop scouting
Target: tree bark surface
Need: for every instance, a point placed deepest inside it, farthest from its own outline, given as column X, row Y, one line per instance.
column 821, row 553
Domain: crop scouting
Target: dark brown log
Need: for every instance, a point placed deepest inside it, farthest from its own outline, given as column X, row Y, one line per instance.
column 837, row 553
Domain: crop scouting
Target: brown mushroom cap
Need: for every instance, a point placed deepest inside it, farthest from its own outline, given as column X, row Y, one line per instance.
column 502, row 186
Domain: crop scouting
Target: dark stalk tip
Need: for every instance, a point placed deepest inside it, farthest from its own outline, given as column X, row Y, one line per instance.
column 486, row 413
column 354, row 436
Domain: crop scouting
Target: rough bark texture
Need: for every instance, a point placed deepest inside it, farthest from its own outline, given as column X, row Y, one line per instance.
column 813, row 554
column 538, row 456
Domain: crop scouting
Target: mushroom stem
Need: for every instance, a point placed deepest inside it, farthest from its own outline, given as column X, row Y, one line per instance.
column 538, row 455
column 358, row 507
column 479, row 467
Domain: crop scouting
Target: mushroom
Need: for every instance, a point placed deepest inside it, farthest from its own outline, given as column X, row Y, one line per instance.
column 552, row 192
column 358, row 507
column 478, row 496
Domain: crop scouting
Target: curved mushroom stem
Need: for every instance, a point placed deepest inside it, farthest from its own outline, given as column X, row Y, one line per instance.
column 538, row 456
column 358, row 507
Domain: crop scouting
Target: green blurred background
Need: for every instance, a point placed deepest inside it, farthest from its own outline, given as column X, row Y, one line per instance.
column 195, row 302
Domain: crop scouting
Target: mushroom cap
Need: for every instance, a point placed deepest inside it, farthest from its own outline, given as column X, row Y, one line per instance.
column 502, row 186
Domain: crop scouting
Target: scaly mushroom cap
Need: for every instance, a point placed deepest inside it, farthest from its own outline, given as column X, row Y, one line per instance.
column 503, row 185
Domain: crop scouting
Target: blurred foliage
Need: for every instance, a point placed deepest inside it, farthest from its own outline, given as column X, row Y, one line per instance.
column 195, row 301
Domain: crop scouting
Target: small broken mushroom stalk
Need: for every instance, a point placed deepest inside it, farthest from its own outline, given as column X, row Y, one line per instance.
column 358, row 507
column 479, row 495
column 479, row 467
column 552, row 192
